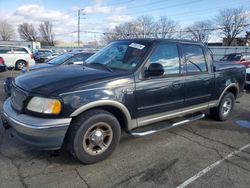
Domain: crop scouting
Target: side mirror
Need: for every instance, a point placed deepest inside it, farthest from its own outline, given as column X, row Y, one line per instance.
column 154, row 69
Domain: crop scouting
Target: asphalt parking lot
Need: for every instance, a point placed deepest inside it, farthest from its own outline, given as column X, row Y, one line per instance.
column 205, row 153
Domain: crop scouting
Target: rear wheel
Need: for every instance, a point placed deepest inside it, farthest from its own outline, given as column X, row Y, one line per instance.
column 224, row 110
column 93, row 136
column 20, row 64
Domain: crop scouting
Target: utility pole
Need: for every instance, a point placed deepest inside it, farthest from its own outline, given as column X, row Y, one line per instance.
column 78, row 30
column 78, row 38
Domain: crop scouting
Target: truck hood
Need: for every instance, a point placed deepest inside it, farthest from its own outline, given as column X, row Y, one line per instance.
column 39, row 66
column 48, row 81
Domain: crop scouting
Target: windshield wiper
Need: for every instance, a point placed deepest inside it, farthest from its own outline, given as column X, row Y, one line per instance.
column 102, row 65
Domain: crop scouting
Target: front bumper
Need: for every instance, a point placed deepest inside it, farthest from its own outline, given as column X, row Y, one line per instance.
column 42, row 133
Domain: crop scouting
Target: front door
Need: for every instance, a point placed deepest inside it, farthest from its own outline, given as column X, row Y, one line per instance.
column 163, row 93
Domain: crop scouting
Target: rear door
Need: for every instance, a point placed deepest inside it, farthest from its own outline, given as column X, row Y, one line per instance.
column 20, row 53
column 198, row 80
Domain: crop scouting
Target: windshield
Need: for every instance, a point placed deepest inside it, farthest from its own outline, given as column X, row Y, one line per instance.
column 60, row 59
column 122, row 55
column 231, row 57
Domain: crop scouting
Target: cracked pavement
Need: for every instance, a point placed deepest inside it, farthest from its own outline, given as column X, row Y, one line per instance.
column 164, row 159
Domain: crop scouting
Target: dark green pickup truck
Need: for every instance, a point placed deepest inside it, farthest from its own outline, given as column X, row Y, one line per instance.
column 128, row 85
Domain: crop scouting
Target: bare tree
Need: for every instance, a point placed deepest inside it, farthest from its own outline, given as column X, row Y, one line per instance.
column 200, row 31
column 122, row 31
column 165, row 28
column 127, row 30
column 46, row 32
column 27, row 32
column 6, row 30
column 146, row 26
column 142, row 27
column 109, row 37
column 232, row 23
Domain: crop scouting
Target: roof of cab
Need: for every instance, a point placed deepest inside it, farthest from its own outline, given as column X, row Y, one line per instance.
column 153, row 40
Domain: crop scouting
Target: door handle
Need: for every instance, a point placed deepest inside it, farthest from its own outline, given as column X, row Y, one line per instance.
column 206, row 81
column 176, row 84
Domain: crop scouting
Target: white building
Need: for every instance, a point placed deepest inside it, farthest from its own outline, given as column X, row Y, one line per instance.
column 30, row 45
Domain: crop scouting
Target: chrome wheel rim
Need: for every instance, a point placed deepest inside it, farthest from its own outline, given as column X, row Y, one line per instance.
column 97, row 138
column 226, row 107
column 21, row 65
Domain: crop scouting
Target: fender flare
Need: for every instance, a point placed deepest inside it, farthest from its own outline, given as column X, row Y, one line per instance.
column 131, row 123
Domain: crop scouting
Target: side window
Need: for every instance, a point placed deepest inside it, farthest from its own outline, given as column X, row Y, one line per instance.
column 195, row 58
column 76, row 58
column 20, row 50
column 168, row 56
column 5, row 50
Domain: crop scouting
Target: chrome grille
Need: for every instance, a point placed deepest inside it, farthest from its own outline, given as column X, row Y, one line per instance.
column 17, row 98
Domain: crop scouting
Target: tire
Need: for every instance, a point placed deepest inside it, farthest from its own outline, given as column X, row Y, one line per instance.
column 86, row 139
column 247, row 87
column 224, row 110
column 20, row 64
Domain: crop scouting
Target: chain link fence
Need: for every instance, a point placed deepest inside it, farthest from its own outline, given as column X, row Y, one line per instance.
column 220, row 51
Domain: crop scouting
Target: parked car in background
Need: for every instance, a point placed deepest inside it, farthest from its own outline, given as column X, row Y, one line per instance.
column 2, row 65
column 41, row 53
column 16, row 56
column 127, row 85
column 48, row 57
column 64, row 59
column 248, row 79
column 239, row 58
column 44, row 56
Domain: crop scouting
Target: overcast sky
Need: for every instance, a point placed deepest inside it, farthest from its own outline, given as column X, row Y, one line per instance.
column 98, row 15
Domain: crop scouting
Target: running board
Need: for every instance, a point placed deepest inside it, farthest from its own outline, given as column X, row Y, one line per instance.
column 189, row 119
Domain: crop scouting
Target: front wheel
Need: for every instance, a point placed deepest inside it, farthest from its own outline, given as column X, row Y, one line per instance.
column 224, row 110
column 93, row 136
column 20, row 64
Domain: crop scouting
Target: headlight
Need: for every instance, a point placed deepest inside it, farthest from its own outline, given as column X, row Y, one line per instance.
column 45, row 105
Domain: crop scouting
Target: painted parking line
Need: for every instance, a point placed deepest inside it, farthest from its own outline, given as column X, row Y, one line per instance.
column 207, row 169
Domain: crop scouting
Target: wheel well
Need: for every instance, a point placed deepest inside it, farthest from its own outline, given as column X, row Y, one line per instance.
column 21, row 60
column 234, row 91
column 120, row 116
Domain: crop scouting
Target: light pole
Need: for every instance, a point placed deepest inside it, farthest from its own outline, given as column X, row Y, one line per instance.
column 78, row 30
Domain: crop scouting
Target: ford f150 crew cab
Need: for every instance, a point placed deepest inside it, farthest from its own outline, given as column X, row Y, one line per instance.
column 127, row 85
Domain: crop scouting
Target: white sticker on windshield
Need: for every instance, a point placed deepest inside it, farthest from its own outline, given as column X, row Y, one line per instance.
column 137, row 46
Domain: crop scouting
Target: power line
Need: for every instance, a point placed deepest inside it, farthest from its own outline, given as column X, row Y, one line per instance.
column 186, row 14
column 150, row 33
column 169, row 6
column 119, row 3
column 147, row 4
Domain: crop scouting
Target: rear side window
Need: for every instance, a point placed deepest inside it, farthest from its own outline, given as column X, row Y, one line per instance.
column 20, row 50
column 195, row 58
column 5, row 50
column 168, row 56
